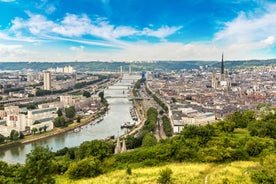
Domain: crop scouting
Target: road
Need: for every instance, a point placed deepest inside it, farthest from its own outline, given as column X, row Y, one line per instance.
column 148, row 102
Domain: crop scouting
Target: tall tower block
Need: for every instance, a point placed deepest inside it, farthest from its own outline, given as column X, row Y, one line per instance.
column 121, row 71
column 129, row 69
column 47, row 80
column 214, row 79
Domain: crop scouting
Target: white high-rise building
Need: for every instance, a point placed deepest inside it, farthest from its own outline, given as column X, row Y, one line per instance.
column 47, row 80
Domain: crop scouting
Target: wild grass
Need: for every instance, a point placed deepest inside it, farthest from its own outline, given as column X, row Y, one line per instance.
column 234, row 172
column 183, row 173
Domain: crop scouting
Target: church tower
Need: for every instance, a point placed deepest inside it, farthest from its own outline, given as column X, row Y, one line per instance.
column 222, row 74
column 118, row 146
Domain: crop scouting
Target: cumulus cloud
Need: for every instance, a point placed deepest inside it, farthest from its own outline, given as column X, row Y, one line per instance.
column 7, row 52
column 240, row 38
column 80, row 25
column 36, row 24
column 250, row 30
column 162, row 32
column 77, row 49
column 269, row 41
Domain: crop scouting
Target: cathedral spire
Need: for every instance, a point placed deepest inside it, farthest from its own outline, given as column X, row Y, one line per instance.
column 222, row 65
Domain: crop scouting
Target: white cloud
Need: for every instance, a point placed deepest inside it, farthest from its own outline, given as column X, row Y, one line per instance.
column 162, row 32
column 269, row 41
column 252, row 31
column 17, row 37
column 77, row 49
column 241, row 38
column 10, row 52
column 80, row 25
column 7, row 1
column 73, row 25
column 36, row 24
column 50, row 9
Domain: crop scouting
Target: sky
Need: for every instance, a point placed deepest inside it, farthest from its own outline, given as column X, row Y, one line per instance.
column 136, row 30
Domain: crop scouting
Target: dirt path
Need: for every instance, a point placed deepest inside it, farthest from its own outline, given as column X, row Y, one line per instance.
column 213, row 168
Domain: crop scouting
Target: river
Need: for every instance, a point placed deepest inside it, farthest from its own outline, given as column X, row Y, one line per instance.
column 110, row 125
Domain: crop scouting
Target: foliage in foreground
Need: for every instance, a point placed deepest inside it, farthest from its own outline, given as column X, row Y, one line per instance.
column 223, row 142
column 87, row 167
column 193, row 173
column 266, row 171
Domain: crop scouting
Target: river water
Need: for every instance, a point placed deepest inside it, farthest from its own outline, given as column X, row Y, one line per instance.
column 110, row 125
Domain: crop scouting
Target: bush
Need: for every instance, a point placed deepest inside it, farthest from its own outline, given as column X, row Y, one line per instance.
column 266, row 172
column 165, row 176
column 128, row 170
column 149, row 140
column 88, row 167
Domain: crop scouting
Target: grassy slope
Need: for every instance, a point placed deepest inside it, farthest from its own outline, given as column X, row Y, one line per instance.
column 236, row 172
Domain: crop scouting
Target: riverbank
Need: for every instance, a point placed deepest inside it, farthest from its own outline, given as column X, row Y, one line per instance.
column 142, row 116
column 55, row 131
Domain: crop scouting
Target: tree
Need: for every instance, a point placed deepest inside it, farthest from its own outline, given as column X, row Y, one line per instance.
column 59, row 121
column 149, row 140
column 21, row 135
column 45, row 128
column 167, row 126
column 88, row 167
column 59, row 112
column 40, row 129
column 241, row 119
column 2, row 138
column 31, row 106
column 34, row 130
column 78, row 119
column 173, row 100
column 101, row 95
column 86, row 94
column 39, row 166
column 70, row 112
column 255, row 145
column 96, row 148
column 14, row 135
column 266, row 172
column 227, row 125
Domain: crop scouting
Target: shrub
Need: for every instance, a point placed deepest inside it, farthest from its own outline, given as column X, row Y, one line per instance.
column 165, row 176
column 128, row 170
column 88, row 167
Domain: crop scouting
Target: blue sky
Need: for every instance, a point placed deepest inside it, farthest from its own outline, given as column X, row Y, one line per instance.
column 136, row 30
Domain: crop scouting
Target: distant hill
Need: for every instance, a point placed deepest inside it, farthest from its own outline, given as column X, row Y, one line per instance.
column 245, row 63
column 106, row 66
column 135, row 66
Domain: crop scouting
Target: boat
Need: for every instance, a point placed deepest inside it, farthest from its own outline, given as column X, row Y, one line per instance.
column 77, row 129
column 128, row 125
column 112, row 137
column 100, row 119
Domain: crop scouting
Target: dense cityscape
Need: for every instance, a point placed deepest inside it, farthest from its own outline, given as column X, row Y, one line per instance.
column 196, row 96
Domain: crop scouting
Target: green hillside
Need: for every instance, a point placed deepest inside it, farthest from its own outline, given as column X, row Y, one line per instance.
column 239, row 149
column 196, row 173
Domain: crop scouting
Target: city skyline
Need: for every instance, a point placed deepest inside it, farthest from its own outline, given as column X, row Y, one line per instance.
column 138, row 30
